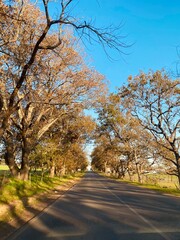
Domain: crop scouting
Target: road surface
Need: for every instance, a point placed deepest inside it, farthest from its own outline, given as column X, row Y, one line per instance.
column 98, row 208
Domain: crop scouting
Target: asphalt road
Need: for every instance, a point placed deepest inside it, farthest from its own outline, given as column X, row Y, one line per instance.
column 102, row 209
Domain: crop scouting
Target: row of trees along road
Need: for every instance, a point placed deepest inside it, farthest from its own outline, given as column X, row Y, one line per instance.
column 45, row 85
column 139, row 127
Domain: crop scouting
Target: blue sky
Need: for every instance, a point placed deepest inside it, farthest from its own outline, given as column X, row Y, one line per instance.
column 152, row 25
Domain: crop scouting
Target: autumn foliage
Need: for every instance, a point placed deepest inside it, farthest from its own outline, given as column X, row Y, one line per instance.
column 44, row 78
column 141, row 122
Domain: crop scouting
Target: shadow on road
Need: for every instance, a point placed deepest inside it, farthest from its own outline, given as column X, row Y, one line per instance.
column 99, row 208
column 27, row 207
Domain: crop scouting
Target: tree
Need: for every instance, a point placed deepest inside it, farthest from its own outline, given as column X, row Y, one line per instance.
column 32, row 36
column 127, row 138
column 27, row 47
column 61, row 149
column 48, row 95
column 102, row 156
column 153, row 99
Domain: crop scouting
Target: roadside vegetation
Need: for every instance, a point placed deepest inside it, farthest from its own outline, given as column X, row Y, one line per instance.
column 46, row 85
column 138, row 129
column 163, row 183
column 165, row 189
column 17, row 195
column 160, row 183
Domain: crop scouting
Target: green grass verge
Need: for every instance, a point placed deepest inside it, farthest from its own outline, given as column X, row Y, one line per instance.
column 17, row 195
column 3, row 167
column 16, row 189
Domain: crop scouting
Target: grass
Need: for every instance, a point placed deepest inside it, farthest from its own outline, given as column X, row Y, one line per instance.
column 158, row 179
column 16, row 189
column 159, row 182
column 3, row 167
column 173, row 191
column 15, row 192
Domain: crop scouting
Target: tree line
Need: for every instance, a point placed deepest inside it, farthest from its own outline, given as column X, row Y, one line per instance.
column 45, row 85
column 139, row 127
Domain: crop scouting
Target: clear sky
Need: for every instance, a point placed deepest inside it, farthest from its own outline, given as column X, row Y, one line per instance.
column 152, row 25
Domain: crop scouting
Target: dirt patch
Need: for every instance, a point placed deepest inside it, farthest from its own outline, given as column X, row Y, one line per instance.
column 21, row 211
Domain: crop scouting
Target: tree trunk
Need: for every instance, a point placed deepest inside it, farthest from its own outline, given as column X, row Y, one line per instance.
column 105, row 167
column 129, row 171
column 63, row 171
column 121, row 170
column 9, row 157
column 178, row 168
column 130, row 176
column 137, row 167
column 24, row 172
column 179, row 180
column 52, row 168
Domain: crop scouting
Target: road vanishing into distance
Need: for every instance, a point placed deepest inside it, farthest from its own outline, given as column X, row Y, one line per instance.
column 98, row 208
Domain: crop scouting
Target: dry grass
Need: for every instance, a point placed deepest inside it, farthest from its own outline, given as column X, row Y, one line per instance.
column 159, row 182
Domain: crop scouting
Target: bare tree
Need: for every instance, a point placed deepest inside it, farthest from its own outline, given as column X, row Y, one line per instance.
column 154, row 99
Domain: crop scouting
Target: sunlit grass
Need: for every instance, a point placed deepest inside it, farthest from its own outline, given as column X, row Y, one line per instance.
column 17, row 195
column 3, row 167
column 167, row 190
column 16, row 189
column 158, row 182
